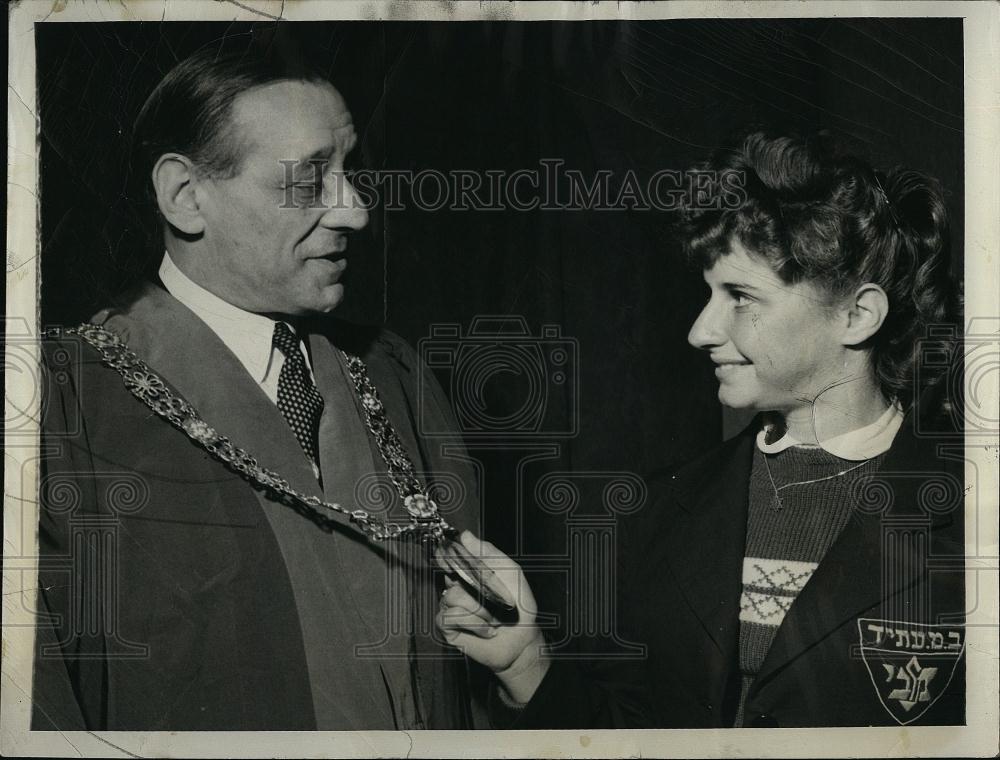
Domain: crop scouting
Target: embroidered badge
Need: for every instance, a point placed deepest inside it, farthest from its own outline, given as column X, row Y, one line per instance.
column 910, row 664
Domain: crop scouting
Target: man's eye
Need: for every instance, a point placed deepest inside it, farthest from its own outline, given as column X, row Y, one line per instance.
column 306, row 192
column 314, row 183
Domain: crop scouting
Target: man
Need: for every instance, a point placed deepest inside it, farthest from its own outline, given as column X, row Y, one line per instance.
column 175, row 594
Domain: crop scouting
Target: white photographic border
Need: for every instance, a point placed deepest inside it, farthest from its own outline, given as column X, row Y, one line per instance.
column 982, row 286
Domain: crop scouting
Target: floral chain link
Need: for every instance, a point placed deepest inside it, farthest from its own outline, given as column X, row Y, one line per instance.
column 143, row 383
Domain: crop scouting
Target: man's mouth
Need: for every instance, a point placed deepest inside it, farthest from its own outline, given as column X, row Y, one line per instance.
column 336, row 264
column 335, row 257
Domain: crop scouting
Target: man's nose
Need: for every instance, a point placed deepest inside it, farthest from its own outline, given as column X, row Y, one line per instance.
column 708, row 330
column 346, row 208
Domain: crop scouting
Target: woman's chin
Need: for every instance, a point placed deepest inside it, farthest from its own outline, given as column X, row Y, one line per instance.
column 732, row 398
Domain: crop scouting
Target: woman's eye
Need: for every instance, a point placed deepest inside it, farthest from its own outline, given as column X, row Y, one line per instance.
column 741, row 299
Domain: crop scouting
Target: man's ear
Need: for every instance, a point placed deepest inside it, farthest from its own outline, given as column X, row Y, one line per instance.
column 866, row 310
column 175, row 182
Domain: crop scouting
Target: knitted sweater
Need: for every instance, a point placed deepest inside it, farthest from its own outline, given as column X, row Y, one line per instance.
column 788, row 534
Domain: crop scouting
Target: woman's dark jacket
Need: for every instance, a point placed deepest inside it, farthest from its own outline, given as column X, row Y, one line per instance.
column 876, row 637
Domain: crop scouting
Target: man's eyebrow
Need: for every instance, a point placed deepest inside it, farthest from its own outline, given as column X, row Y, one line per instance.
column 324, row 153
column 740, row 286
column 320, row 154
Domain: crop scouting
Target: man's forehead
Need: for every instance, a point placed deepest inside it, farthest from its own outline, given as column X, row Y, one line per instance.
column 292, row 119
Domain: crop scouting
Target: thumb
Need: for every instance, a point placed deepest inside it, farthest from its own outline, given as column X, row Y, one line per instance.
column 481, row 548
column 498, row 570
column 473, row 544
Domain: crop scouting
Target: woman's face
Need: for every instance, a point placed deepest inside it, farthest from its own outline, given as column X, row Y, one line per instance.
column 775, row 345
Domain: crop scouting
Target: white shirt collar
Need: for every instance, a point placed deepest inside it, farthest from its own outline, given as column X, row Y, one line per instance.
column 249, row 336
column 863, row 443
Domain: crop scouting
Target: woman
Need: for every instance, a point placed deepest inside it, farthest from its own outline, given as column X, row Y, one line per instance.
column 784, row 579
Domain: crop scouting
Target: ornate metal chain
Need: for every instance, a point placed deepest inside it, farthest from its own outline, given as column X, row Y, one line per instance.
column 426, row 524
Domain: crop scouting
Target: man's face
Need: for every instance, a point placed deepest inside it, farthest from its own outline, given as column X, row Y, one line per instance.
column 276, row 234
column 774, row 345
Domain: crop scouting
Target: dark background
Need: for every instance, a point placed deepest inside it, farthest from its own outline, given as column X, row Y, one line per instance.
column 503, row 95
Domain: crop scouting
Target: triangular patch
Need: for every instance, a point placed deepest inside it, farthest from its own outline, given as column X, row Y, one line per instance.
column 910, row 664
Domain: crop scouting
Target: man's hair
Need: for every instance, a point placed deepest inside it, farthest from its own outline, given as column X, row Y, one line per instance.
column 190, row 111
column 814, row 213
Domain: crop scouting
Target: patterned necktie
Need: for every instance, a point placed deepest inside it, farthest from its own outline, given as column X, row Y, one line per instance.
column 298, row 399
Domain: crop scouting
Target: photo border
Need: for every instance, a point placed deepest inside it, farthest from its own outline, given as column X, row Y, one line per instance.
column 22, row 397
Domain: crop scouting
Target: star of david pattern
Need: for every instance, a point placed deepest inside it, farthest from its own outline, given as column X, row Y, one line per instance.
column 769, row 588
column 298, row 400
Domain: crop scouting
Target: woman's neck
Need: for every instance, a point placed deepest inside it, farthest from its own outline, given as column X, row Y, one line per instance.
column 840, row 409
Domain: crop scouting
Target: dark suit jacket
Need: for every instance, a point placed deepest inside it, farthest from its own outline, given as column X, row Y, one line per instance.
column 893, row 581
column 170, row 602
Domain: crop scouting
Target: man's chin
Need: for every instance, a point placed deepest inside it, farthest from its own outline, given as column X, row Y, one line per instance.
column 326, row 300
column 323, row 302
column 332, row 297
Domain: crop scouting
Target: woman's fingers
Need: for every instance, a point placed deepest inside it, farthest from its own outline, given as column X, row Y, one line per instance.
column 498, row 570
column 456, row 597
column 456, row 559
column 509, row 578
column 452, row 620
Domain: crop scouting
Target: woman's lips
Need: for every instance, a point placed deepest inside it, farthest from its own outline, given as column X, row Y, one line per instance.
column 725, row 369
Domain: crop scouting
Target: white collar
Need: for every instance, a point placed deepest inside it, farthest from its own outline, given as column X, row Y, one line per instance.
column 249, row 336
column 863, row 443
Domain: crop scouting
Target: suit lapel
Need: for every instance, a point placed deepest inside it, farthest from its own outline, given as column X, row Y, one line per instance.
column 349, row 477
column 705, row 550
column 847, row 582
column 343, row 423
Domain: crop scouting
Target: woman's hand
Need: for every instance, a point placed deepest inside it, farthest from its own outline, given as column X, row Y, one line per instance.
column 513, row 651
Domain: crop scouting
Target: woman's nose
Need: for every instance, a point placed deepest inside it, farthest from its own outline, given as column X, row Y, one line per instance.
column 708, row 329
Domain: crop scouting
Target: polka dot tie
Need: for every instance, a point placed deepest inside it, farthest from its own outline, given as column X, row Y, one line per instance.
column 298, row 399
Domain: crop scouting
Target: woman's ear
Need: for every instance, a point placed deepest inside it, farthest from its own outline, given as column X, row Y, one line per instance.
column 175, row 180
column 866, row 311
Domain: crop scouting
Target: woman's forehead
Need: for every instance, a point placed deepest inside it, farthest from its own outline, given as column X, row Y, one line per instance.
column 739, row 263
